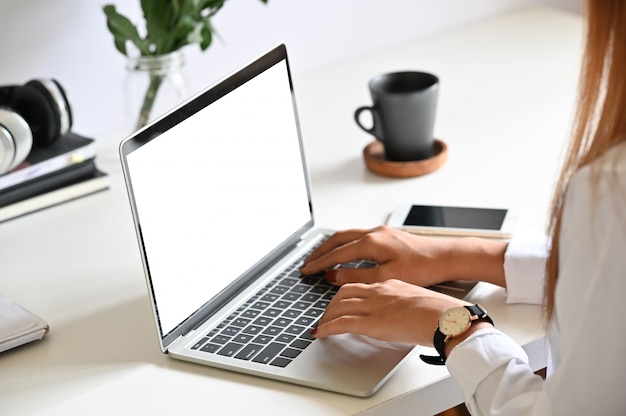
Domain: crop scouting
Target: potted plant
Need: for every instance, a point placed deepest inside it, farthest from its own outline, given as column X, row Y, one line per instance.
column 168, row 25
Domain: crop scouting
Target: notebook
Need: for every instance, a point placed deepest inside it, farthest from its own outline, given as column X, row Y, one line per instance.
column 222, row 207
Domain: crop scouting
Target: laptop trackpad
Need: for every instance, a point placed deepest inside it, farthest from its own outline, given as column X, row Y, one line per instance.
column 355, row 364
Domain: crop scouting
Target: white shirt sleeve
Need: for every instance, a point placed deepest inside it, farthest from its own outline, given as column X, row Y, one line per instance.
column 492, row 371
column 587, row 333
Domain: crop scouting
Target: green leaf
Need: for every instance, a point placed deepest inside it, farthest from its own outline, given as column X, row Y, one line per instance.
column 210, row 4
column 122, row 29
column 157, row 15
column 146, row 6
column 207, row 37
column 185, row 26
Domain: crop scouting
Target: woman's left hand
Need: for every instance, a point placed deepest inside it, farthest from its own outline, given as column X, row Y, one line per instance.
column 393, row 311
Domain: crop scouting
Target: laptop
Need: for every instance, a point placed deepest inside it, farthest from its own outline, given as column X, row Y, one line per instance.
column 222, row 207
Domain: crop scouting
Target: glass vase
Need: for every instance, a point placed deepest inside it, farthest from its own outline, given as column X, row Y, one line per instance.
column 154, row 85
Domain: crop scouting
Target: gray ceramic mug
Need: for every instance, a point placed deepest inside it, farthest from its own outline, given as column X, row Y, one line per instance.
column 403, row 114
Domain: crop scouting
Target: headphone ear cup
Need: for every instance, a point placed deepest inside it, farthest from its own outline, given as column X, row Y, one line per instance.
column 16, row 140
column 63, row 102
column 45, row 110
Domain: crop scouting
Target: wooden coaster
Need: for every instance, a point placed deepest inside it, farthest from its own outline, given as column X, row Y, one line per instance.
column 374, row 155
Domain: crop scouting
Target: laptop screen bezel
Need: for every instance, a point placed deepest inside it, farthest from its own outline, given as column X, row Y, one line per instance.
column 168, row 121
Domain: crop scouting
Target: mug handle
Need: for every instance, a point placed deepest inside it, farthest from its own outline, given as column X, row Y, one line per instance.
column 373, row 130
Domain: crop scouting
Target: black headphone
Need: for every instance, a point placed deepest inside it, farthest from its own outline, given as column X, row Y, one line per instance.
column 34, row 114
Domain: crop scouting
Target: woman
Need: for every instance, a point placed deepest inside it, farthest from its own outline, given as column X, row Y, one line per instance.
column 584, row 287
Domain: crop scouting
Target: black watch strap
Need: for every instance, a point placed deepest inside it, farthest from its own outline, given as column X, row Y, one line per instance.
column 439, row 338
column 439, row 342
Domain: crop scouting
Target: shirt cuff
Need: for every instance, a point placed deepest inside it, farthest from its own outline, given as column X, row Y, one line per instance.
column 524, row 267
column 479, row 355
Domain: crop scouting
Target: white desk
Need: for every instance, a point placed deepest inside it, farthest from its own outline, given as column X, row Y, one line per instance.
column 505, row 106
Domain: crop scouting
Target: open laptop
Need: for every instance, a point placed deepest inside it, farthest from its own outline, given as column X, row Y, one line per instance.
column 222, row 207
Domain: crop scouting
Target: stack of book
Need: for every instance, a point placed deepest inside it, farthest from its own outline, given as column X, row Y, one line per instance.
column 51, row 175
column 18, row 325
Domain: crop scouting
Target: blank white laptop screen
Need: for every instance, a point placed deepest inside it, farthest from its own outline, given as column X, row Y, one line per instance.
column 214, row 197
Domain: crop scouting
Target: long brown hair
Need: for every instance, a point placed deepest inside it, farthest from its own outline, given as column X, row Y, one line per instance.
column 600, row 120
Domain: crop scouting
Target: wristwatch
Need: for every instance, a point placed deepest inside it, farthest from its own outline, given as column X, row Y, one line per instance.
column 452, row 323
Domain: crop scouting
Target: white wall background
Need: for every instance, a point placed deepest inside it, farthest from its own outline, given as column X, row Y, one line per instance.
column 68, row 40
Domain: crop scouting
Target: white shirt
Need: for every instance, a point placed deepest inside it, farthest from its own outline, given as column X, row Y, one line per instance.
column 588, row 333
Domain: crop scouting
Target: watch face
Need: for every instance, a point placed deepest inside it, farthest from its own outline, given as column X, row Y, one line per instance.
column 454, row 321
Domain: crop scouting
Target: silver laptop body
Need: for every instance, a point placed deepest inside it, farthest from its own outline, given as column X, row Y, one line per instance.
column 221, row 202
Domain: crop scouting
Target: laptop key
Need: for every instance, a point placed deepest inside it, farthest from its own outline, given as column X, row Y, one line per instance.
column 279, row 290
column 243, row 338
column 272, row 331
column 262, row 321
column 300, row 344
column 305, row 321
column 286, row 338
column 307, row 335
column 319, row 289
column 231, row 330
column 240, row 322
column 263, row 339
column 249, row 351
column 220, row 339
column 322, row 304
column 230, row 349
column 273, row 312
column 290, row 296
column 314, row 312
column 211, row 348
column 295, row 330
column 282, row 304
column 282, row 322
column 253, row 329
column 199, row 343
column 290, row 353
column 329, row 295
column 260, row 305
column 310, row 280
column 288, row 281
column 301, row 305
column 280, row 362
column 270, row 297
column 250, row 313
column 269, row 353
column 292, row 313
column 310, row 297
column 300, row 288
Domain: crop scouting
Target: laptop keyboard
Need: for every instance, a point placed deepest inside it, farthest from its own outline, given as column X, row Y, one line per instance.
column 274, row 326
